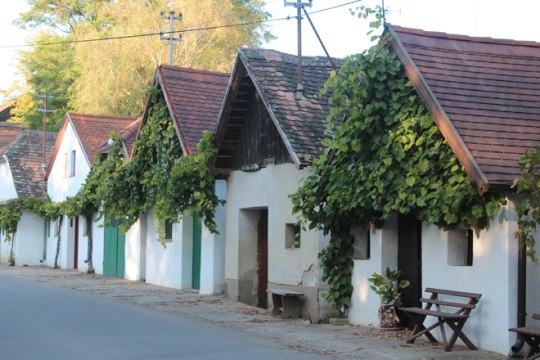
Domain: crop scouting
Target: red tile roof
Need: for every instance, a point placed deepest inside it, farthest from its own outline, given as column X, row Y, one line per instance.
column 9, row 132
column 92, row 131
column 194, row 98
column 482, row 92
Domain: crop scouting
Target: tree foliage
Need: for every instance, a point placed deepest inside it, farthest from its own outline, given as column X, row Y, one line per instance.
column 109, row 76
column 528, row 204
column 48, row 70
column 384, row 155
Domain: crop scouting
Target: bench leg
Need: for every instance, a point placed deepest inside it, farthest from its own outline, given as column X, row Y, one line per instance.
column 290, row 307
column 277, row 304
column 420, row 329
column 457, row 326
column 534, row 346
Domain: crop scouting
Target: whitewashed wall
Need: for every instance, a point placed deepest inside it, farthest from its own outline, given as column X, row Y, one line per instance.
column 493, row 274
column 135, row 261
column 28, row 245
column 7, row 187
column 213, row 249
column 97, row 246
column 169, row 265
column 58, row 186
column 270, row 188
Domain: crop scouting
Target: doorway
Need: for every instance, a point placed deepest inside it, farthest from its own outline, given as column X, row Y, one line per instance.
column 253, row 256
column 196, row 263
column 114, row 249
column 410, row 258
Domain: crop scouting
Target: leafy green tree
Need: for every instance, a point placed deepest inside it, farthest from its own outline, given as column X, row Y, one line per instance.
column 48, row 70
column 110, row 76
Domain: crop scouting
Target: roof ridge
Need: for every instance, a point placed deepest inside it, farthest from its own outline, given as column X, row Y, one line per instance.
column 304, row 57
column 191, row 70
column 110, row 117
column 475, row 39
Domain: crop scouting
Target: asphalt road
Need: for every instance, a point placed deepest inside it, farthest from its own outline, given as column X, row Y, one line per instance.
column 39, row 321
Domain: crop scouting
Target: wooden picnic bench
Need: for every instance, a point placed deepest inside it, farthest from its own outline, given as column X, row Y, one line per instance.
column 285, row 303
column 452, row 309
column 531, row 335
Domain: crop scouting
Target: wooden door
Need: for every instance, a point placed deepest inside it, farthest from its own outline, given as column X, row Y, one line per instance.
column 410, row 258
column 262, row 258
column 196, row 267
column 114, row 249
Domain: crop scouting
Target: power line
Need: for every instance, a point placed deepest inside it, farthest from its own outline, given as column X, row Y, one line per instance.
column 157, row 33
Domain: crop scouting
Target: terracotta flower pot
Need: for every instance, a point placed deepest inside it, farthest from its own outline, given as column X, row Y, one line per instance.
column 388, row 318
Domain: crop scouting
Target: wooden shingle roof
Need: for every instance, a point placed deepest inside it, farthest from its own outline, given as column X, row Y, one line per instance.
column 194, row 99
column 273, row 75
column 9, row 132
column 26, row 162
column 483, row 94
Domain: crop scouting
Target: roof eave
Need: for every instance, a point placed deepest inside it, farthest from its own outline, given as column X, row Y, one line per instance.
column 440, row 117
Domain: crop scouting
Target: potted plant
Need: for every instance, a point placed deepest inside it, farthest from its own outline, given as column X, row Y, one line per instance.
column 388, row 288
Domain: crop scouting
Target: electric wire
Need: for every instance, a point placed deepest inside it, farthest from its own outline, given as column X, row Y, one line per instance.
column 206, row 28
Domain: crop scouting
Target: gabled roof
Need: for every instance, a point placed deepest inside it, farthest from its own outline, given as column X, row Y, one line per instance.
column 194, row 99
column 483, row 94
column 92, row 131
column 26, row 162
column 273, row 75
column 128, row 136
column 9, row 132
column 5, row 110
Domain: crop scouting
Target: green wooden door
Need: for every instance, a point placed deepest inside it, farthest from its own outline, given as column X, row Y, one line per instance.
column 114, row 249
column 196, row 270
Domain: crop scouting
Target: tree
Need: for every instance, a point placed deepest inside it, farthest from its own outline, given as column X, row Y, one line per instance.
column 112, row 75
column 48, row 70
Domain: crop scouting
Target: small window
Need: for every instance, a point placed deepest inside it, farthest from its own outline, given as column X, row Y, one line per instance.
column 168, row 230
column 292, row 236
column 460, row 247
column 72, row 164
column 362, row 243
column 64, row 165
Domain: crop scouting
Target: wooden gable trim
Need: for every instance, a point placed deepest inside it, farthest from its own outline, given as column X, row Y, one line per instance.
column 266, row 103
column 57, row 144
column 224, row 114
column 440, row 117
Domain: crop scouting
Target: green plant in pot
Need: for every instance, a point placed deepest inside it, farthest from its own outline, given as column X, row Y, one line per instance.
column 388, row 288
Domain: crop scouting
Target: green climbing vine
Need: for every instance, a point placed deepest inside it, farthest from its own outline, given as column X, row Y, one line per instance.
column 157, row 178
column 383, row 154
column 528, row 204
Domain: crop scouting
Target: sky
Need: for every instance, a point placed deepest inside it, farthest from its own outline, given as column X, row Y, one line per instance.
column 342, row 33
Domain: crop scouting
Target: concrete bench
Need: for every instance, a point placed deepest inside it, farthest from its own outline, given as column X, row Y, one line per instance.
column 286, row 303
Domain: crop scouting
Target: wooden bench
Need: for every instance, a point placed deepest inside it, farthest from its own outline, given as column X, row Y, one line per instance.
column 531, row 335
column 286, row 303
column 452, row 309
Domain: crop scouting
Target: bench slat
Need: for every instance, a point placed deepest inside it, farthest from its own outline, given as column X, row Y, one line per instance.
column 283, row 292
column 536, row 316
column 448, row 303
column 528, row 330
column 442, row 314
column 454, row 293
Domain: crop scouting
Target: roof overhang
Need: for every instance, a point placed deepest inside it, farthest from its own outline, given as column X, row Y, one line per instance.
column 440, row 117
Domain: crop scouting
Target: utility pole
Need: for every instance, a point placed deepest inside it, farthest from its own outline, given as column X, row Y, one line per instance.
column 44, row 110
column 299, row 5
column 172, row 18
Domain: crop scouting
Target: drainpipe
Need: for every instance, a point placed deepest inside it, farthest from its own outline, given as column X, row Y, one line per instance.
column 521, row 296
